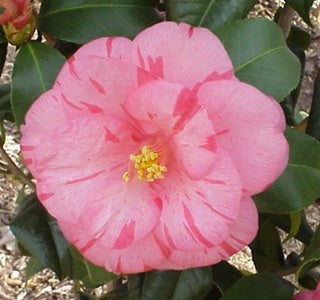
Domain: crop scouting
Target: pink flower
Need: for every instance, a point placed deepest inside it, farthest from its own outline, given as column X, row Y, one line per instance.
column 17, row 12
column 309, row 295
column 147, row 151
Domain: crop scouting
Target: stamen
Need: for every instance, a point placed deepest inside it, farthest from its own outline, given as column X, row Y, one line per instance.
column 146, row 165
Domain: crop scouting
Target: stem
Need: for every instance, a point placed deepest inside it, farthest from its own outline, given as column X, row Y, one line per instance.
column 11, row 166
column 285, row 19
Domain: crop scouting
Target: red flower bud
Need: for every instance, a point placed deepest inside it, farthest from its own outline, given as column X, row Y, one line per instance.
column 17, row 20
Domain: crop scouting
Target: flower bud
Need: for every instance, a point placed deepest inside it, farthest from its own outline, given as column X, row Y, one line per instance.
column 17, row 20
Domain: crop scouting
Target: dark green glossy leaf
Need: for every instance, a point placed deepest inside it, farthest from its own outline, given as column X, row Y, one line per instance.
column 193, row 284
column 282, row 221
column 208, row 13
column 33, row 267
column 298, row 186
column 80, row 21
column 118, row 293
column 31, row 228
column 3, row 54
column 5, row 106
column 260, row 56
column 160, row 284
column 311, row 254
column 91, row 275
column 289, row 103
column 35, row 69
column 266, row 248
column 225, row 275
column 302, row 7
column 262, row 287
column 304, row 150
column 299, row 37
column 295, row 189
column 313, row 127
column 135, row 285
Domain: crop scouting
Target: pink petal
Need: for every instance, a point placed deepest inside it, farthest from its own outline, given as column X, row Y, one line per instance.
column 110, row 47
column 195, row 145
column 94, row 85
column 197, row 214
column 142, row 256
column 161, row 107
column 249, row 126
column 242, row 232
column 182, row 54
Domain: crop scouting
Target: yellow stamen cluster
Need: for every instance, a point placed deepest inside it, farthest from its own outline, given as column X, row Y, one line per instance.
column 146, row 165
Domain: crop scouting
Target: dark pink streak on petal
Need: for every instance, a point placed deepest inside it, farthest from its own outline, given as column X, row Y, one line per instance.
column 210, row 144
column 193, row 227
column 88, row 245
column 186, row 106
column 92, row 108
column 164, row 250
column 168, row 237
column 26, row 147
column 45, row 196
column 146, row 267
column 217, row 212
column 150, row 115
column 111, row 137
column 214, row 181
column 156, row 66
column 228, row 248
column 126, row 236
column 237, row 240
column 158, row 202
column 69, row 103
column 119, row 265
column 222, row 132
column 214, row 76
column 116, row 167
column 28, row 161
column 190, row 32
column 144, row 76
column 97, row 86
column 71, row 67
column 84, row 178
column 140, row 57
column 109, row 45
column 136, row 138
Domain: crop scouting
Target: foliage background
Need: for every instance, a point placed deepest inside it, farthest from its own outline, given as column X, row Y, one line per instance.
column 265, row 257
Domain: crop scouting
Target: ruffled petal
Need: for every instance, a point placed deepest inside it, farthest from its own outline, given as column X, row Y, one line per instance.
column 95, row 85
column 183, row 54
column 242, row 232
column 249, row 127
column 197, row 214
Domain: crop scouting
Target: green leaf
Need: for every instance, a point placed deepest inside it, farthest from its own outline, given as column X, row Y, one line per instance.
column 80, row 21
column 266, row 248
column 5, row 106
column 295, row 189
column 208, row 13
column 302, row 7
column 262, row 287
column 298, row 186
column 282, row 221
column 91, row 275
column 160, row 285
column 260, row 56
column 135, row 284
column 299, row 37
column 188, row 284
column 311, row 254
column 33, row 267
column 295, row 220
column 31, row 228
column 35, row 69
column 313, row 127
column 225, row 275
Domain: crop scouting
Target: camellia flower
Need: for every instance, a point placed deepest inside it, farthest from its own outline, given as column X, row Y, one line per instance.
column 309, row 295
column 17, row 20
column 147, row 151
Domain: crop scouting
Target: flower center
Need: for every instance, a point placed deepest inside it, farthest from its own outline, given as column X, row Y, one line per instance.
column 146, row 165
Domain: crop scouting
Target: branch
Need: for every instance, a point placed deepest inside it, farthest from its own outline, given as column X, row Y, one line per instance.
column 11, row 166
column 285, row 19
